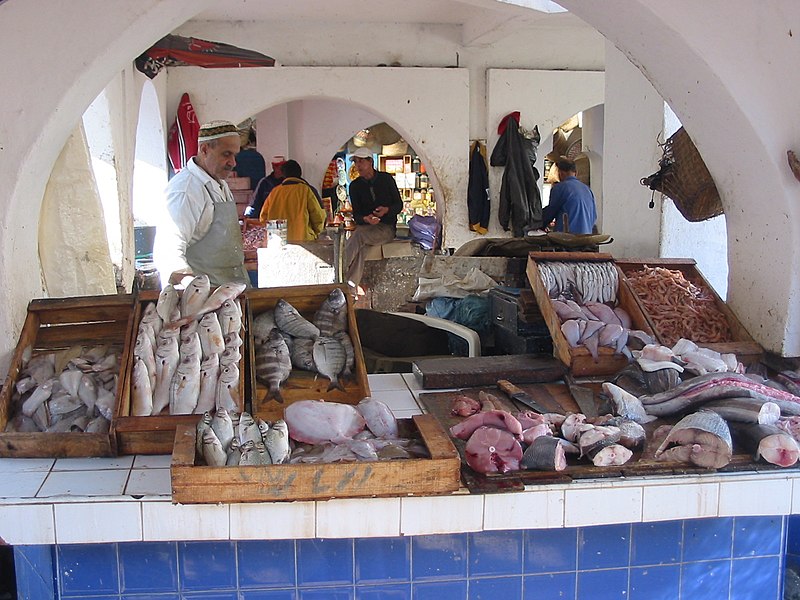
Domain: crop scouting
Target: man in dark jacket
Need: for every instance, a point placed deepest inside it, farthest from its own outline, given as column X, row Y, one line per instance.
column 376, row 203
column 572, row 199
column 264, row 187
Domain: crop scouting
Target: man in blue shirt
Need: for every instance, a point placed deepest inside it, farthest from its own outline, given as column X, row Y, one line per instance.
column 572, row 198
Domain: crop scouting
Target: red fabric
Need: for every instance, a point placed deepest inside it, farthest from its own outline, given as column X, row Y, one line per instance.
column 501, row 129
column 182, row 138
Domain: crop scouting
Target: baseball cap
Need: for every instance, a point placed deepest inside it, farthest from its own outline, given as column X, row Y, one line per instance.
column 361, row 153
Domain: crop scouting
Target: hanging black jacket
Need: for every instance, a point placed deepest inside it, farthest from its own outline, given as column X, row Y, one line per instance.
column 478, row 189
column 520, row 199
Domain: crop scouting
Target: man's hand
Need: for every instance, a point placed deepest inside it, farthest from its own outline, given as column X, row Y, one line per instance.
column 380, row 211
column 371, row 220
column 182, row 278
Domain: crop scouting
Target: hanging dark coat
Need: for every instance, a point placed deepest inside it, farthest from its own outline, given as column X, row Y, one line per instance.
column 478, row 189
column 520, row 199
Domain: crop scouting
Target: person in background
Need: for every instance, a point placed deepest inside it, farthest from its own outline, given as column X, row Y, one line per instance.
column 264, row 187
column 249, row 162
column 297, row 202
column 571, row 198
column 376, row 203
column 201, row 233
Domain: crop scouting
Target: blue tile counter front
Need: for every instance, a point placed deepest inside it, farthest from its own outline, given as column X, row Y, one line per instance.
column 741, row 558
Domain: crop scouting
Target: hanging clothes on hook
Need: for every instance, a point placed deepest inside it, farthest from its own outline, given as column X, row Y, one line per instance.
column 478, row 203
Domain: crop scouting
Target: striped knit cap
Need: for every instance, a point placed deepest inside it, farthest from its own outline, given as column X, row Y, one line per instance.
column 215, row 130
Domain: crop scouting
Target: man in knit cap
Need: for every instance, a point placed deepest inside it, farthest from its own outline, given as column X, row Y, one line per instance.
column 200, row 233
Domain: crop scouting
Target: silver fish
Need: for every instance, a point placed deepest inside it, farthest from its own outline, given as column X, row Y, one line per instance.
column 106, row 400
column 262, row 324
column 167, row 358
column 195, row 295
column 249, row 457
column 626, row 404
column 98, row 425
column 223, row 427
column 273, row 364
column 141, row 391
column 332, row 315
column 63, row 405
column 168, row 300
column 226, row 291
column 230, row 317
column 263, row 427
column 301, row 354
column 151, row 317
column 290, row 321
column 146, row 329
column 277, row 442
column 190, row 344
column 70, row 380
column 248, row 430
column 213, row 450
column 210, row 332
column 233, row 340
column 234, row 453
column 230, row 356
column 702, row 438
column 88, row 391
column 202, row 424
column 228, row 397
column 329, row 360
column 209, row 376
column 262, row 454
column 185, row 387
column 349, row 352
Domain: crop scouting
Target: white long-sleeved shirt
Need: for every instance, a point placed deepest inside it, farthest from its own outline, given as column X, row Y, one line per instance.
column 189, row 198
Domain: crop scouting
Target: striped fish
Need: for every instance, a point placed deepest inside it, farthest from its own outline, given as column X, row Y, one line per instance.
column 329, row 359
column 273, row 364
column 332, row 315
column 301, row 354
column 288, row 320
column 349, row 351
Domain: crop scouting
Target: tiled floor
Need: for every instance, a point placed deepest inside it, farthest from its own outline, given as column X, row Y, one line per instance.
column 142, row 476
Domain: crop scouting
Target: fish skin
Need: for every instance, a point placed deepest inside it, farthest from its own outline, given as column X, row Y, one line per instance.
column 88, row 390
column 209, row 376
column 234, row 453
column 190, row 344
column 149, row 316
column 276, row 441
column 248, row 429
column 70, row 380
column 230, row 317
column 213, row 449
column 329, row 360
column 316, row 422
column 168, row 300
column 185, row 386
column 142, row 393
column 290, row 321
column 146, row 329
column 230, row 356
column 331, row 317
column 167, row 358
column 572, row 332
column 202, row 424
column 349, row 352
column 626, row 404
column 222, row 425
column 106, row 400
column 301, row 354
column 273, row 364
column 379, row 417
column 210, row 333
column 262, row 454
column 263, row 324
column 195, row 294
column 228, row 388
column 705, row 434
column 233, row 340
column 226, row 291
column 545, row 453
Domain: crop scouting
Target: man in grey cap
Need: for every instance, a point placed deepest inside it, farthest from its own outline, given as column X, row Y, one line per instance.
column 201, row 233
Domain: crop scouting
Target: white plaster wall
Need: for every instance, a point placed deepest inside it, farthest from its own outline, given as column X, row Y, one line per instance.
column 634, row 115
column 544, row 98
column 592, row 142
column 429, row 106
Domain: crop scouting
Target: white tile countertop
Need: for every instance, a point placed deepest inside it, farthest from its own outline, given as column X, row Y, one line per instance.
column 89, row 500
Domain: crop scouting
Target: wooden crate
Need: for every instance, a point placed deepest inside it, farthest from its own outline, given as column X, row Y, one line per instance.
column 57, row 324
column 439, row 474
column 579, row 361
column 302, row 385
column 742, row 344
column 251, row 256
column 155, row 434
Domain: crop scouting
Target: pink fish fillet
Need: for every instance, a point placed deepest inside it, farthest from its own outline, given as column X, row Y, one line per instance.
column 315, row 421
column 492, row 450
column 494, row 418
column 464, row 406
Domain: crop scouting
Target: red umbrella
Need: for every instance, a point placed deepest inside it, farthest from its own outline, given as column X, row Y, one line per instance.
column 178, row 51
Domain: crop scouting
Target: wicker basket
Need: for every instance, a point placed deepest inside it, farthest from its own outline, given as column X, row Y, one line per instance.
column 684, row 177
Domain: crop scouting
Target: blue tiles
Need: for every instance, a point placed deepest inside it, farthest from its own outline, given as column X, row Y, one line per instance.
column 707, row 559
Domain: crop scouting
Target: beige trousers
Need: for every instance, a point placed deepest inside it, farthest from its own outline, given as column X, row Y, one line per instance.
column 364, row 235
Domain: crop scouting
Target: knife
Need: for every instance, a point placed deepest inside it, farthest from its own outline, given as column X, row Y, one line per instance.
column 584, row 398
column 520, row 396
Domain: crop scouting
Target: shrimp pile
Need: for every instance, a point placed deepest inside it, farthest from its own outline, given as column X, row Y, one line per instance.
column 679, row 308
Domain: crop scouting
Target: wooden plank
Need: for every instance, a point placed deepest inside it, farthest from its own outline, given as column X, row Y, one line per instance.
column 438, row 474
column 449, row 372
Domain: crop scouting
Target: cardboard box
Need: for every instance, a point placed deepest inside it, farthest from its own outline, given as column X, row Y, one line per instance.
column 58, row 324
column 302, row 385
column 439, row 474
column 156, row 434
column 579, row 361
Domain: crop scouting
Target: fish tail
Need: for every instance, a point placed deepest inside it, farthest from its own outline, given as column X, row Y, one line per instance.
column 180, row 322
column 335, row 385
column 273, row 394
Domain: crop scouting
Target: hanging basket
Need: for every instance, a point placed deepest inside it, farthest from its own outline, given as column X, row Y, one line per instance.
column 684, row 177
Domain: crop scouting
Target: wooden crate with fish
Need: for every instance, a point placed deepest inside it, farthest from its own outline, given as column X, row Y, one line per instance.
column 677, row 301
column 438, row 473
column 195, row 367
column 326, row 363
column 586, row 283
column 66, row 378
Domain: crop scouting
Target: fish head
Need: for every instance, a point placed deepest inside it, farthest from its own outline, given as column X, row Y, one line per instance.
column 337, row 299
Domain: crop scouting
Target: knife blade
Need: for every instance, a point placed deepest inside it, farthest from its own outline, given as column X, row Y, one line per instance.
column 584, row 398
column 520, row 396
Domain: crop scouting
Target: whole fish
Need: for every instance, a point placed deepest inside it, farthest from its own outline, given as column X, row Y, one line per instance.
column 349, row 352
column 222, row 426
column 226, row 291
column 273, row 364
column 210, row 333
column 202, row 424
column 144, row 350
column 168, row 300
column 167, row 358
column 702, row 438
column 230, row 317
column 150, row 316
column 209, row 376
column 379, row 417
column 288, row 320
column 329, row 360
column 228, row 397
column 262, row 324
column 230, row 356
column 261, row 454
column 263, row 427
column 276, row 441
column 195, row 295
column 301, row 354
column 190, row 344
column 185, row 387
column 146, row 329
column 213, row 450
column 248, row 429
column 233, row 340
column 332, row 315
column 141, row 392
column 234, row 453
